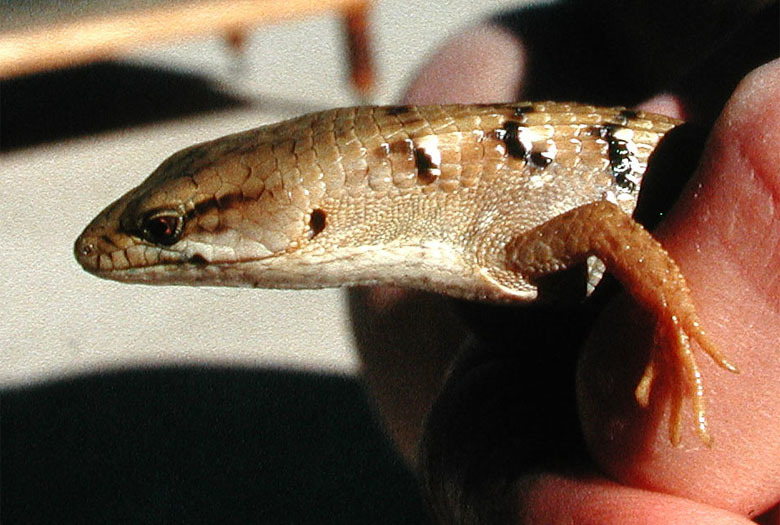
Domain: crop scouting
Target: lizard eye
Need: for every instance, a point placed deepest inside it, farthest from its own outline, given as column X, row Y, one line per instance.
column 162, row 227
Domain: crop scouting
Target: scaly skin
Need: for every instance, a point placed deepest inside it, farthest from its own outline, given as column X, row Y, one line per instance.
column 444, row 198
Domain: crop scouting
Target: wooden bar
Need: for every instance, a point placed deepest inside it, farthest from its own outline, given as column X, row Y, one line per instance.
column 359, row 47
column 49, row 46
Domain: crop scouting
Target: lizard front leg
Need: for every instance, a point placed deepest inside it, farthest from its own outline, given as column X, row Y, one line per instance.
column 652, row 277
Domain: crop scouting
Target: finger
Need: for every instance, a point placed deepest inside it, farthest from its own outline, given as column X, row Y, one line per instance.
column 665, row 104
column 725, row 234
column 554, row 498
column 484, row 64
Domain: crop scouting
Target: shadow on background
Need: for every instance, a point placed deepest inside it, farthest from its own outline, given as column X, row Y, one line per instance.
column 200, row 445
column 181, row 445
column 98, row 97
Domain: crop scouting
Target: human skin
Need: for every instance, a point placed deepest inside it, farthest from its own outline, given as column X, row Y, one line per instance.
column 724, row 232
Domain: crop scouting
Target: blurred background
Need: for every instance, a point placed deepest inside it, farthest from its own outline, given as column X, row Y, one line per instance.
column 155, row 404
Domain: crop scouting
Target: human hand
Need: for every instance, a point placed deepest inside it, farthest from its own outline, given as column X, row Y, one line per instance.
column 503, row 434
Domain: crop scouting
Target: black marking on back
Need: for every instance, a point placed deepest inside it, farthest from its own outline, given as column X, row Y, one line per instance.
column 510, row 135
column 539, row 159
column 620, row 161
column 316, row 222
column 523, row 110
column 398, row 110
column 623, row 117
column 425, row 166
column 618, row 154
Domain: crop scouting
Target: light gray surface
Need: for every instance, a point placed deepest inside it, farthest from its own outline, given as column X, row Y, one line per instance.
column 58, row 320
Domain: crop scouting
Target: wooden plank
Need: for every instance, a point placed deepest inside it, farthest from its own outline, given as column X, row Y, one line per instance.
column 83, row 40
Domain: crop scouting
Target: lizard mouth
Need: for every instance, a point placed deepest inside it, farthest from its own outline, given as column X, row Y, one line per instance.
column 105, row 252
column 101, row 256
column 142, row 264
column 122, row 258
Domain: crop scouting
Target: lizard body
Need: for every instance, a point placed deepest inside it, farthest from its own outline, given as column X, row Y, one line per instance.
column 469, row 201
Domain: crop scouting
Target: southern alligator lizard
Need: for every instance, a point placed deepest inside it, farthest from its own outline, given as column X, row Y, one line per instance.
column 470, row 201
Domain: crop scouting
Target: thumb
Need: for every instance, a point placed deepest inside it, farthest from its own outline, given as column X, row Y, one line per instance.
column 725, row 235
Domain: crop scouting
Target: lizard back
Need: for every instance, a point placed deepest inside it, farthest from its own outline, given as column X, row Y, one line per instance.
column 423, row 196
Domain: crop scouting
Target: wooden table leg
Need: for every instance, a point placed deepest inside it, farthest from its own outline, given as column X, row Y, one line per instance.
column 359, row 48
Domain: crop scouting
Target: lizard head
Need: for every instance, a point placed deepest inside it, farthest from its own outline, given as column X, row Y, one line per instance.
column 204, row 208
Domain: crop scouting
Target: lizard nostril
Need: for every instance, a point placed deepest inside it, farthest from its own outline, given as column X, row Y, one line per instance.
column 86, row 250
